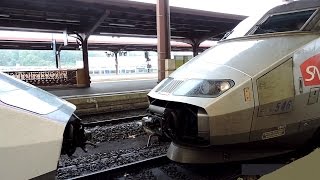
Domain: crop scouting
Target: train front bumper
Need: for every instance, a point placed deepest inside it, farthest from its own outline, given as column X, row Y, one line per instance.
column 184, row 124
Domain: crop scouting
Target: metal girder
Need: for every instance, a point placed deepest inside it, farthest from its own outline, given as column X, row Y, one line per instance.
column 20, row 24
column 97, row 24
column 47, row 45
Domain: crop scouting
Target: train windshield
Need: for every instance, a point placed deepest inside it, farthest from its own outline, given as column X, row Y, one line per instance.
column 292, row 21
column 22, row 95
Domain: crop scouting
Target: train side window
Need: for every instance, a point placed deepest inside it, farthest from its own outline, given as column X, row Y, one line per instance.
column 293, row 21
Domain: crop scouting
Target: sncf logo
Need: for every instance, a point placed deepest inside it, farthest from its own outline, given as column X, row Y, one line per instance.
column 310, row 70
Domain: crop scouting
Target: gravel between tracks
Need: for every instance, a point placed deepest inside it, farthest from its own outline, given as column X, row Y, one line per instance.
column 117, row 145
column 126, row 143
column 98, row 161
column 116, row 132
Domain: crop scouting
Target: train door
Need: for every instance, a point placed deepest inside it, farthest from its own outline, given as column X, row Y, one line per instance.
column 275, row 97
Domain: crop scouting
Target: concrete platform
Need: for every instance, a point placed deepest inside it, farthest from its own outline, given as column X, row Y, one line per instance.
column 306, row 168
column 110, row 93
column 111, row 85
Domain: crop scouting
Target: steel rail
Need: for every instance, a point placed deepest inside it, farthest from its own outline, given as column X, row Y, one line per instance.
column 132, row 167
column 113, row 121
column 238, row 172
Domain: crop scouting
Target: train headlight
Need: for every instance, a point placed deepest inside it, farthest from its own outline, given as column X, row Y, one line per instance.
column 203, row 88
column 224, row 86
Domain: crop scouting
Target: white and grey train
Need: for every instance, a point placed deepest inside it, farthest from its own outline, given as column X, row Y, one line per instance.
column 36, row 127
column 254, row 94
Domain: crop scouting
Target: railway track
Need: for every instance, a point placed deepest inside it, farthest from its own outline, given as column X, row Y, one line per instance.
column 153, row 166
column 119, row 141
column 113, row 121
column 111, row 173
column 160, row 167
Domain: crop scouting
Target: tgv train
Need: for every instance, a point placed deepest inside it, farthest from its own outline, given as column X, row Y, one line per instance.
column 36, row 127
column 254, row 94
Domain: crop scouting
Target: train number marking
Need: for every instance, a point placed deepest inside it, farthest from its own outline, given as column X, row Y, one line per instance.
column 284, row 106
column 310, row 71
column 279, row 107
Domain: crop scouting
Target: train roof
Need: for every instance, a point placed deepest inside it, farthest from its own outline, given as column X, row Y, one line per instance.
column 296, row 16
column 295, row 6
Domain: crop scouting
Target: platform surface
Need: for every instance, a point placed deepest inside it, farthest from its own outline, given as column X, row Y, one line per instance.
column 111, row 85
column 305, row 168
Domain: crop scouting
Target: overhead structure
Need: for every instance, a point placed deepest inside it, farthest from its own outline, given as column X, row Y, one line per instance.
column 110, row 17
column 96, row 43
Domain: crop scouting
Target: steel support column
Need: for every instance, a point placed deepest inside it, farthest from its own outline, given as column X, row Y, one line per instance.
column 57, row 52
column 195, row 43
column 85, row 58
column 195, row 48
column 116, row 61
column 54, row 48
column 163, row 35
column 83, row 38
column 58, row 61
column 146, row 55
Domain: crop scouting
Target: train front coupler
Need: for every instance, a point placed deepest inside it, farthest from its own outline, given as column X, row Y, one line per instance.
column 160, row 122
column 75, row 136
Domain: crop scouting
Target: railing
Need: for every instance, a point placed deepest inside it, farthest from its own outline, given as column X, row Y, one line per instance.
column 47, row 77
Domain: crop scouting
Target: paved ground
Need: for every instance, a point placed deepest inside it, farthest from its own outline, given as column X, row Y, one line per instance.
column 112, row 85
column 304, row 168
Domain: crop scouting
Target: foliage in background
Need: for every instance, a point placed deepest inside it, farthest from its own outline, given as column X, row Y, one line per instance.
column 37, row 58
column 46, row 58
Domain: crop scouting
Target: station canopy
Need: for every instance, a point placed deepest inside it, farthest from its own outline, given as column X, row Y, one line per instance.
column 120, row 17
column 43, row 41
